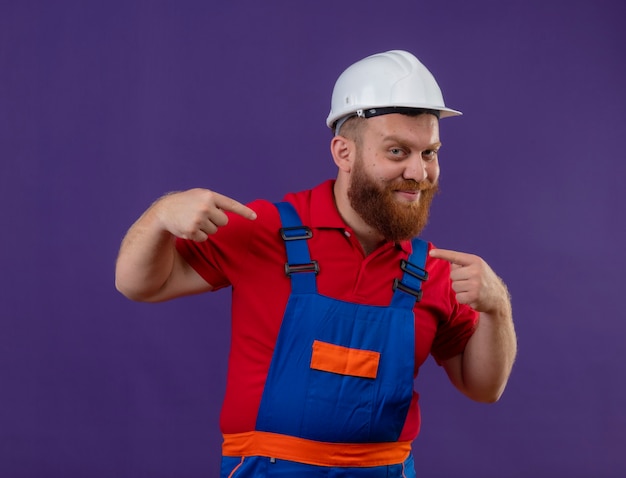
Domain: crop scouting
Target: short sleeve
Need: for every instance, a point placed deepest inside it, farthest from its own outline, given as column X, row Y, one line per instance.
column 453, row 334
column 224, row 255
column 456, row 322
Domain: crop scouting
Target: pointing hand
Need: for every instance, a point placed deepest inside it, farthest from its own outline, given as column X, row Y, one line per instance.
column 197, row 213
column 474, row 282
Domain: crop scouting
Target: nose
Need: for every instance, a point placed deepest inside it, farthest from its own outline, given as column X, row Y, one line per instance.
column 415, row 169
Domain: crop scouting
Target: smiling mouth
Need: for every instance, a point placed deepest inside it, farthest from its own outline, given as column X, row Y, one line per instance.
column 408, row 195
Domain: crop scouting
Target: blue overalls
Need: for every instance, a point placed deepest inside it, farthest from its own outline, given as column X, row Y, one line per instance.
column 340, row 382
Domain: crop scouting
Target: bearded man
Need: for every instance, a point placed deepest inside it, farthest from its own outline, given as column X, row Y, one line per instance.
column 336, row 300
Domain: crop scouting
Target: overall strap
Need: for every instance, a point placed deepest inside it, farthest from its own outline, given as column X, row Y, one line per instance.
column 408, row 290
column 299, row 266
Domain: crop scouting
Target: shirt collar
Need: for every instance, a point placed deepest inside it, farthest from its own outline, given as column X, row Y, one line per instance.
column 324, row 213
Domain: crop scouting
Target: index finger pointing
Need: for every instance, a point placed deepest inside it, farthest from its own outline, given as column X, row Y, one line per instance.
column 228, row 204
column 454, row 257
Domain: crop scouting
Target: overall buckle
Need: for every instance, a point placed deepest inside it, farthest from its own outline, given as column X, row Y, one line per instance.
column 414, row 271
column 415, row 293
column 312, row 266
column 295, row 233
column 298, row 233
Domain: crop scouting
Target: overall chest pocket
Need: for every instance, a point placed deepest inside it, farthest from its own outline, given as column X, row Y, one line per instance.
column 341, row 393
column 344, row 360
column 359, row 382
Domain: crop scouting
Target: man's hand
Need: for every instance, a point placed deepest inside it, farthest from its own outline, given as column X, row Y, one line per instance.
column 482, row 370
column 474, row 282
column 148, row 266
column 197, row 213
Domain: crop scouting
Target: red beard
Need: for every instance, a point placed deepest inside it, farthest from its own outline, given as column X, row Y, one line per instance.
column 375, row 203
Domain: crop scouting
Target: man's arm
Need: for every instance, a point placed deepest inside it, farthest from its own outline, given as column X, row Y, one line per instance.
column 149, row 269
column 482, row 370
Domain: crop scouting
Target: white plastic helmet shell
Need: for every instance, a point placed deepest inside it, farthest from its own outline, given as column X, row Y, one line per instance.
column 393, row 78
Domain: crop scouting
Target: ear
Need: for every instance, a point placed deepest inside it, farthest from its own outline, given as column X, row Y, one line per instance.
column 343, row 150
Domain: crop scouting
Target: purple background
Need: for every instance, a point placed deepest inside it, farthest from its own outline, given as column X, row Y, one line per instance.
column 104, row 106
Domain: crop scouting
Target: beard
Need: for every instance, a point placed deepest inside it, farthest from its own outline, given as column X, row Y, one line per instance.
column 375, row 203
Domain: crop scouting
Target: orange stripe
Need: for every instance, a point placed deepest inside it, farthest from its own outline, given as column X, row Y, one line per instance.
column 273, row 445
column 344, row 360
column 232, row 473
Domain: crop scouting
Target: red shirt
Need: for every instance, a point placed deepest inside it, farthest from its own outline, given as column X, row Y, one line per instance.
column 250, row 257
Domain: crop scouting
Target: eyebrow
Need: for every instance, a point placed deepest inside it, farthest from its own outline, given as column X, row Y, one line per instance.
column 397, row 139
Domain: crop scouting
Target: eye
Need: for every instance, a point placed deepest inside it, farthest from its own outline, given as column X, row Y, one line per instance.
column 397, row 153
column 429, row 155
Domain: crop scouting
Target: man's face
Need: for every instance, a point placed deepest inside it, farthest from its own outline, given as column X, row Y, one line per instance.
column 395, row 174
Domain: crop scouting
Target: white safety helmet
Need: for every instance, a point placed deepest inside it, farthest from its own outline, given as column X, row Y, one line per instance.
column 393, row 81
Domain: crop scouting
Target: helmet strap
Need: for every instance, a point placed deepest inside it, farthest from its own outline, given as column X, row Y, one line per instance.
column 371, row 112
column 403, row 110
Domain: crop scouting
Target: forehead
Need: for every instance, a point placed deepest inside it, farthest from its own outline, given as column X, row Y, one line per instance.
column 421, row 130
